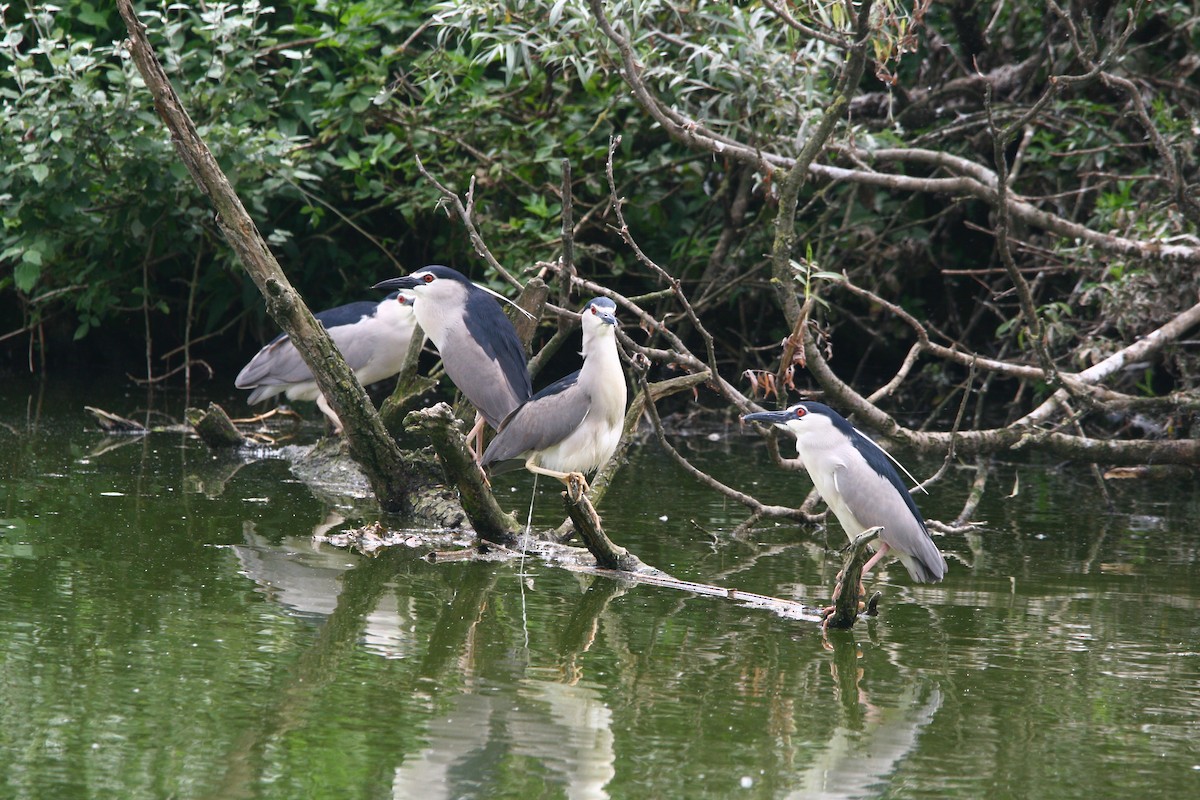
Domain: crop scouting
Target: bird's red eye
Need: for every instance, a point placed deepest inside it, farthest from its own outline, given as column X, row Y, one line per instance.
column 428, row 279
column 593, row 310
column 800, row 411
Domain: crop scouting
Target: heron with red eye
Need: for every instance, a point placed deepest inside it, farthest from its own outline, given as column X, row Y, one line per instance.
column 574, row 425
column 857, row 480
column 480, row 349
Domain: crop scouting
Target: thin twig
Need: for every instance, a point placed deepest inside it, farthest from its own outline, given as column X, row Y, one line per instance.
column 466, row 216
column 670, row 280
column 756, row 507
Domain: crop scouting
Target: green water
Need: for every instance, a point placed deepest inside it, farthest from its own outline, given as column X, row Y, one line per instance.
column 168, row 630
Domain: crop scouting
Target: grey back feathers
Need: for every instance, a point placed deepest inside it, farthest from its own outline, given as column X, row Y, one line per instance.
column 548, row 418
column 371, row 336
column 480, row 349
column 859, row 484
column 873, row 454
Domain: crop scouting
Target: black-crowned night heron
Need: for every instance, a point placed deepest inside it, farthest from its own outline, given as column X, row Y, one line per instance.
column 856, row 479
column 373, row 337
column 479, row 346
column 573, row 425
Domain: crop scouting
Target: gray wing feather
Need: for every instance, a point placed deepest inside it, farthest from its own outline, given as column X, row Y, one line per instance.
column 478, row 376
column 355, row 346
column 877, row 502
column 540, row 423
column 280, row 362
column 277, row 363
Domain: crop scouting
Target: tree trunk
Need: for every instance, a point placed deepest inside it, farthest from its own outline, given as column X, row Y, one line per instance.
column 369, row 442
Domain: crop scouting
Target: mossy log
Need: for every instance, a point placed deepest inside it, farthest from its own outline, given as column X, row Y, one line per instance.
column 847, row 599
column 591, row 533
column 478, row 502
column 215, row 428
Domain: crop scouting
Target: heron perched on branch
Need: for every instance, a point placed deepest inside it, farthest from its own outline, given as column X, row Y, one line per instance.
column 574, row 424
column 373, row 337
column 479, row 346
column 856, row 479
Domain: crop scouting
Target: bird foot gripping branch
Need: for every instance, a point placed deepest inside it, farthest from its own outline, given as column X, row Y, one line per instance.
column 583, row 515
column 849, row 594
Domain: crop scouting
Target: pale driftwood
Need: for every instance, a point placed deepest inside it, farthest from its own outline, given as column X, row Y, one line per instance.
column 372, row 539
column 111, row 423
column 791, row 609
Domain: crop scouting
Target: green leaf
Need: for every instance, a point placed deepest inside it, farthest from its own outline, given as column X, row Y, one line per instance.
column 88, row 15
column 26, row 274
column 40, row 172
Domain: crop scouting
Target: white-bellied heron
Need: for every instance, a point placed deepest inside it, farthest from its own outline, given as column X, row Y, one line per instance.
column 574, row 424
column 373, row 337
column 856, row 479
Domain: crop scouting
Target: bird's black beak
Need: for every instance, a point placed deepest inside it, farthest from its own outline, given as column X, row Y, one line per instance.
column 768, row 417
column 392, row 284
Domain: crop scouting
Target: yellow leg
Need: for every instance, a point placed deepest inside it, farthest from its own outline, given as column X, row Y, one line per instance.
column 476, row 435
column 565, row 477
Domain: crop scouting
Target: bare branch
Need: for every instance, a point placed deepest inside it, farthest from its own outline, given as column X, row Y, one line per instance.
column 971, row 180
column 466, row 215
column 1025, row 297
column 757, row 509
column 1021, row 434
column 670, row 280
column 782, row 12
column 369, row 442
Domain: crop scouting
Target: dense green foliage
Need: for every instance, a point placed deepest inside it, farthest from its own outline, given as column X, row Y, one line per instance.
column 100, row 218
column 318, row 112
column 316, row 117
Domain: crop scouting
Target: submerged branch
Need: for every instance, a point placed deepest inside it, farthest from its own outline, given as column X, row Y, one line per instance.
column 214, row 427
